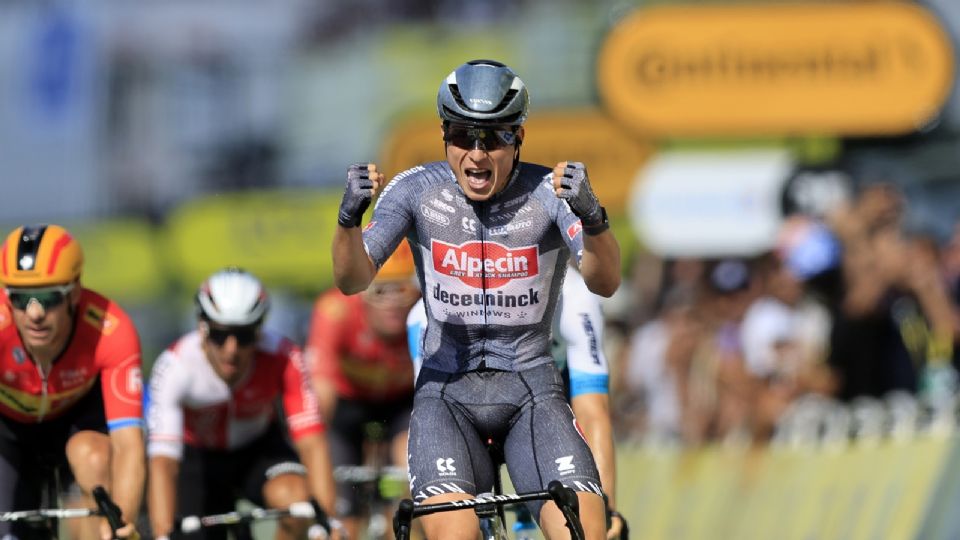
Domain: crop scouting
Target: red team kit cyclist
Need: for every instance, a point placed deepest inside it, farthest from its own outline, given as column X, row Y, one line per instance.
column 70, row 382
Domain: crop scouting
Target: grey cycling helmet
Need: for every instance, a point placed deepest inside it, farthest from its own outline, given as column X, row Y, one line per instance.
column 483, row 92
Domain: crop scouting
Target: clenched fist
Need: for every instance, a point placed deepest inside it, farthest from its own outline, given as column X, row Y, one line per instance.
column 571, row 184
column 363, row 183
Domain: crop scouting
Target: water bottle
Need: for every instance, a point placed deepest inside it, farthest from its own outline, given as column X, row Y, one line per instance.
column 524, row 526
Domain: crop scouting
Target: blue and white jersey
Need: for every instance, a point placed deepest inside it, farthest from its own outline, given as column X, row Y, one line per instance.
column 577, row 336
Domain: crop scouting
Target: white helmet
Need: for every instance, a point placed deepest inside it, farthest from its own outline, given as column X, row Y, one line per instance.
column 232, row 297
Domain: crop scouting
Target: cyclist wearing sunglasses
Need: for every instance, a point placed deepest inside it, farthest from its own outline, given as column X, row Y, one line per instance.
column 491, row 236
column 361, row 370
column 213, row 433
column 70, row 395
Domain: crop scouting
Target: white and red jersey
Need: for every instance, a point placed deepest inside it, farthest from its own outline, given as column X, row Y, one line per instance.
column 189, row 403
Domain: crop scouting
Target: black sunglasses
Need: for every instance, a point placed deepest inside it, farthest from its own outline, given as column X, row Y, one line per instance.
column 488, row 138
column 47, row 297
column 245, row 335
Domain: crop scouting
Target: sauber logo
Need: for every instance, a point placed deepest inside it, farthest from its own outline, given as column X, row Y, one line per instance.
column 488, row 264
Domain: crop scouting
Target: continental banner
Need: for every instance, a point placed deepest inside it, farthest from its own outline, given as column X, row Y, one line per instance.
column 845, row 68
column 611, row 155
column 862, row 491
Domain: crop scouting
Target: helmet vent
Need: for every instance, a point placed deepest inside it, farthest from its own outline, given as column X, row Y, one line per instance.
column 507, row 98
column 29, row 245
column 455, row 90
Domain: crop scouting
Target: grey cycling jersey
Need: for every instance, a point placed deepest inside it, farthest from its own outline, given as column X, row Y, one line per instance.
column 490, row 271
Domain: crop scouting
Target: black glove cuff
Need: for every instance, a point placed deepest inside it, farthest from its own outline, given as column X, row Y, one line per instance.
column 349, row 222
column 597, row 225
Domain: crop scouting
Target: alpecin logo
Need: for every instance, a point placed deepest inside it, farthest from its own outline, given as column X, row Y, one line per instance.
column 485, row 264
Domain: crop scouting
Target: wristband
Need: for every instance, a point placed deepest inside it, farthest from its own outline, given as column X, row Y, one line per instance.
column 597, row 228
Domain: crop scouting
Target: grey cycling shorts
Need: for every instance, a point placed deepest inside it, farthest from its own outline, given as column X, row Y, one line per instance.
column 524, row 413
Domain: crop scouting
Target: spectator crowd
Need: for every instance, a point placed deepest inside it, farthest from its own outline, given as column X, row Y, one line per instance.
column 847, row 306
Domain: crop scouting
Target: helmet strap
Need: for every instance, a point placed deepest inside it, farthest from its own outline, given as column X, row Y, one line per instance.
column 516, row 159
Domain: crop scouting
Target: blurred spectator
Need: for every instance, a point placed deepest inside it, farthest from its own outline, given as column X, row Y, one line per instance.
column 895, row 316
column 786, row 330
column 687, row 364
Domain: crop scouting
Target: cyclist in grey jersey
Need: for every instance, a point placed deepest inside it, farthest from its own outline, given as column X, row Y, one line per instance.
column 491, row 238
column 494, row 318
column 578, row 351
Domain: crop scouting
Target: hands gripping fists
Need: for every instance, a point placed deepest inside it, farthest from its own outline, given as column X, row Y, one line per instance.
column 364, row 182
column 571, row 184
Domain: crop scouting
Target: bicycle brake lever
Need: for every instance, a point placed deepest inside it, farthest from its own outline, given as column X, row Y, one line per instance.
column 568, row 503
column 319, row 516
column 109, row 509
column 402, row 519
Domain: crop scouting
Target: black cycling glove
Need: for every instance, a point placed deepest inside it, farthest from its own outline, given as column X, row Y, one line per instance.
column 356, row 196
column 575, row 189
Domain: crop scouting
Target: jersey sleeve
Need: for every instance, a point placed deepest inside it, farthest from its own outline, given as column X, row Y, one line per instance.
column 299, row 402
column 569, row 224
column 164, row 410
column 581, row 327
column 392, row 216
column 120, row 368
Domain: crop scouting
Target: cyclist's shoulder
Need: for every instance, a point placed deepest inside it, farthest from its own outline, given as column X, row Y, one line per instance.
column 8, row 331
column 535, row 171
column 182, row 356
column 103, row 317
column 416, row 179
column 537, row 180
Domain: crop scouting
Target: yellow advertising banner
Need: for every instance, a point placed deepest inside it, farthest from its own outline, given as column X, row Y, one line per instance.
column 122, row 259
column 284, row 237
column 857, row 68
column 612, row 156
column 861, row 491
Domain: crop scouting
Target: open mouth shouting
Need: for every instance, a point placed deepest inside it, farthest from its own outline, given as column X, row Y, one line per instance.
column 478, row 179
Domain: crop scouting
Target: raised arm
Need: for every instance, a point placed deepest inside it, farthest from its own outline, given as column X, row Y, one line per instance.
column 352, row 268
column 600, row 262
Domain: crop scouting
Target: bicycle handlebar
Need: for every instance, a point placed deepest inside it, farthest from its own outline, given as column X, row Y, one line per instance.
column 49, row 513
column 105, row 507
column 564, row 497
column 304, row 510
